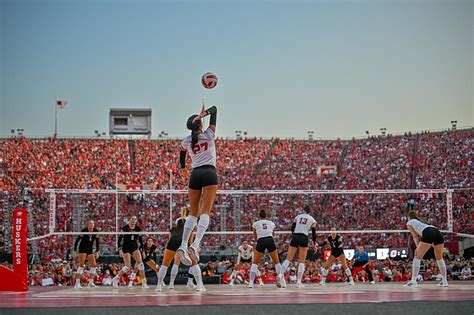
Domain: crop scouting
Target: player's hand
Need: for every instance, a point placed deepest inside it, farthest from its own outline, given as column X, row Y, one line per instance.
column 97, row 254
column 120, row 253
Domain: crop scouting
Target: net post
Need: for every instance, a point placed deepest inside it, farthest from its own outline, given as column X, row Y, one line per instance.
column 52, row 212
column 171, row 199
column 449, row 208
column 116, row 211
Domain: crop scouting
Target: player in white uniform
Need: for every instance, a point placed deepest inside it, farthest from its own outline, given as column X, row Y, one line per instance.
column 203, row 182
column 300, row 228
column 245, row 256
column 430, row 236
column 263, row 231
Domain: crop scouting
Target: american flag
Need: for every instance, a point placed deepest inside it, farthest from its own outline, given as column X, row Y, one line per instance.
column 61, row 104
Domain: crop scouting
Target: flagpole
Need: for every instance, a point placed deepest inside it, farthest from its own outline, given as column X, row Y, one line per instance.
column 56, row 118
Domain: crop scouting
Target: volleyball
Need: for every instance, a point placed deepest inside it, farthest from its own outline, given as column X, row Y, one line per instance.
column 209, row 80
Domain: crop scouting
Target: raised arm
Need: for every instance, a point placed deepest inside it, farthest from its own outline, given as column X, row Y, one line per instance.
column 213, row 121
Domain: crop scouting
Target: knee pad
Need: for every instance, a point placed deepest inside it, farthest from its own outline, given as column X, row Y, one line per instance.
column 125, row 269
column 80, row 270
column 141, row 266
column 132, row 276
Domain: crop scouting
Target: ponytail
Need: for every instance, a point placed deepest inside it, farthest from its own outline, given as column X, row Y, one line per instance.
column 194, row 138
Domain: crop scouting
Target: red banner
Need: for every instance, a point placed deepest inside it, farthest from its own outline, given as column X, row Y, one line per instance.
column 20, row 258
column 17, row 279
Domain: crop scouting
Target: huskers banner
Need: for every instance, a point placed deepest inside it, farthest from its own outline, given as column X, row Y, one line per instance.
column 17, row 279
column 20, row 258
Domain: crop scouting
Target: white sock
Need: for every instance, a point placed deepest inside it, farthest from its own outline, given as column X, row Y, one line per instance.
column 415, row 269
column 203, row 224
column 300, row 271
column 285, row 266
column 442, row 269
column 92, row 272
column 196, row 271
column 324, row 273
column 162, row 274
column 349, row 274
column 278, row 268
column 188, row 228
column 190, row 281
column 174, row 272
column 253, row 273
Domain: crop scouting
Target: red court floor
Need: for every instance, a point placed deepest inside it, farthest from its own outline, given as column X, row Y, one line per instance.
column 223, row 294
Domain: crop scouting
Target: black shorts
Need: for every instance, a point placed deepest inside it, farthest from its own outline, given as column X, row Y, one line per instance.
column 432, row 235
column 174, row 243
column 243, row 261
column 265, row 243
column 129, row 249
column 337, row 252
column 86, row 250
column 299, row 240
column 203, row 176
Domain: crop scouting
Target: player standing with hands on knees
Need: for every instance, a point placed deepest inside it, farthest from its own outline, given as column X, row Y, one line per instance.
column 203, row 181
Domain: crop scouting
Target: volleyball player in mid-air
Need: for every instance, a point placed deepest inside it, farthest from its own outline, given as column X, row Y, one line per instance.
column 300, row 228
column 86, row 251
column 337, row 251
column 263, row 231
column 129, row 249
column 203, row 182
column 425, row 237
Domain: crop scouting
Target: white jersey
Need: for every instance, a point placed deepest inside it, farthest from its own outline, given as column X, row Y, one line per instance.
column 204, row 152
column 245, row 253
column 304, row 223
column 264, row 228
column 418, row 226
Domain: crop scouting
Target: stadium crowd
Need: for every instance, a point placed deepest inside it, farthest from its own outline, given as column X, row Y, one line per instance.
column 426, row 160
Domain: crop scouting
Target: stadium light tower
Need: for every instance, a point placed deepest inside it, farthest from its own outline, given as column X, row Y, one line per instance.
column 310, row 135
column 383, row 131
column 454, row 124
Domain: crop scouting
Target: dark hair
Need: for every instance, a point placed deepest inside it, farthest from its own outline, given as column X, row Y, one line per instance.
column 194, row 127
column 414, row 215
column 306, row 209
column 262, row 214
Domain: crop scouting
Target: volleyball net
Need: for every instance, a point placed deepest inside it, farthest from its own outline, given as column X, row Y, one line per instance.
column 349, row 211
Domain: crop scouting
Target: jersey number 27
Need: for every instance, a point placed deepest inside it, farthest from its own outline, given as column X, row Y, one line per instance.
column 197, row 148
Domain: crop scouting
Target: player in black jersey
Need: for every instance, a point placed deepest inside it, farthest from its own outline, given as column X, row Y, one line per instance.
column 337, row 251
column 86, row 251
column 128, row 249
column 174, row 243
column 149, row 255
